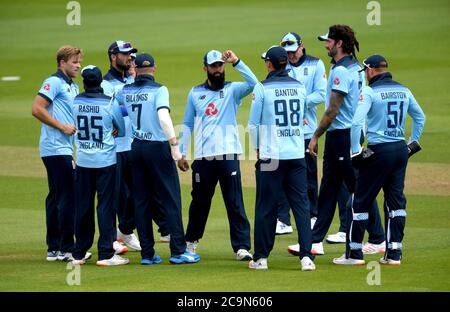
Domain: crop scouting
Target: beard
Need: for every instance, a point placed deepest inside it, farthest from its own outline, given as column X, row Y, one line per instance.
column 332, row 52
column 217, row 80
column 122, row 66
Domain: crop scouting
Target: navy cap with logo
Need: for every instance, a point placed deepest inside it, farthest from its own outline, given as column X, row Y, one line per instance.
column 212, row 57
column 144, row 60
column 92, row 75
column 374, row 61
column 276, row 55
column 291, row 41
column 120, row 46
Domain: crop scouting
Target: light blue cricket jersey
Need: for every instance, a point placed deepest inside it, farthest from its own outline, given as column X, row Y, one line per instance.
column 211, row 114
column 111, row 84
column 385, row 103
column 276, row 117
column 95, row 117
column 310, row 71
column 143, row 99
column 345, row 79
column 59, row 90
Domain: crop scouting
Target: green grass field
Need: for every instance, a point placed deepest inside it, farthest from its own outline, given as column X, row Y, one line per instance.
column 412, row 35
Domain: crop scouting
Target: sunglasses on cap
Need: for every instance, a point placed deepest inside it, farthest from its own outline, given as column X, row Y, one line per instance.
column 290, row 42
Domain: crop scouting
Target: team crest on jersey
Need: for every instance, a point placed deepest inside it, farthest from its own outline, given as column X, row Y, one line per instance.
column 211, row 110
column 221, row 94
column 305, row 71
column 47, row 87
column 336, row 81
column 202, row 97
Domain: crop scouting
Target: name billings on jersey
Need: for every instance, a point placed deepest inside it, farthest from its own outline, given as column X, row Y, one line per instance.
column 393, row 95
column 286, row 92
column 288, row 132
column 139, row 97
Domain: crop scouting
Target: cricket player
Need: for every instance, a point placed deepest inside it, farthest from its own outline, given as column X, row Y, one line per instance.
column 154, row 149
column 53, row 107
column 276, row 132
column 310, row 71
column 211, row 113
column 343, row 88
column 385, row 103
column 95, row 119
column 119, row 53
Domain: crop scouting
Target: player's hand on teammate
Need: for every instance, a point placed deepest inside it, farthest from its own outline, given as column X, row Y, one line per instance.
column 229, row 57
column 115, row 132
column 183, row 164
column 68, row 129
column 305, row 122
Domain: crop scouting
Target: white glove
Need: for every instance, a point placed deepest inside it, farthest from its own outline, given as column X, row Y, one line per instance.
column 175, row 151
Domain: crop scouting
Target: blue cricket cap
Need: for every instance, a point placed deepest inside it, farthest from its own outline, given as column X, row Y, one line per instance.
column 374, row 61
column 92, row 75
column 144, row 60
column 121, row 46
column 276, row 55
column 212, row 57
column 291, row 41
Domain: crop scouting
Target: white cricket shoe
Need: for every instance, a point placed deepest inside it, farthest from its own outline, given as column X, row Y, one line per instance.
column 371, row 249
column 313, row 221
column 260, row 264
column 282, row 228
column 119, row 249
column 243, row 255
column 192, row 246
column 342, row 260
column 338, row 238
column 307, row 264
column 52, row 255
column 115, row 260
column 87, row 256
column 294, row 250
column 317, row 249
column 164, row 238
column 390, row 262
column 130, row 240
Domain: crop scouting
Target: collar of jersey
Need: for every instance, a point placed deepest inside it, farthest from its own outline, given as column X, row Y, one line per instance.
column 342, row 60
column 60, row 74
column 300, row 61
column 277, row 73
column 144, row 77
column 118, row 75
column 384, row 76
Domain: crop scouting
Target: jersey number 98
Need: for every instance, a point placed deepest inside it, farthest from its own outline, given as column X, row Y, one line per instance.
column 284, row 116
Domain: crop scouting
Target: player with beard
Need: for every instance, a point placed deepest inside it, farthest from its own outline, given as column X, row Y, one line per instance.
column 211, row 113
